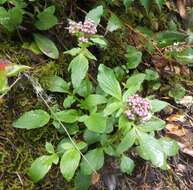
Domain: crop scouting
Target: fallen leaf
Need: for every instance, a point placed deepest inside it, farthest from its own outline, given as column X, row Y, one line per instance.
column 174, row 129
column 176, row 117
column 186, row 149
column 95, row 178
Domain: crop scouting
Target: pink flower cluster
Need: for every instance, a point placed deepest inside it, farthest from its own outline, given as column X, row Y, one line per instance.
column 138, row 107
column 82, row 30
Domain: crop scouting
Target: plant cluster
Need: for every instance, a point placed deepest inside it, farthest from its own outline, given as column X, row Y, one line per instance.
column 105, row 117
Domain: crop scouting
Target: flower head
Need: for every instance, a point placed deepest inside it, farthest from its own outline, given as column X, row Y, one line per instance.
column 138, row 107
column 89, row 27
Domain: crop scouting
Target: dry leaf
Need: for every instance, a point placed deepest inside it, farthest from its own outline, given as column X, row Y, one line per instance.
column 95, row 178
column 175, row 129
column 181, row 5
column 176, row 117
column 186, row 149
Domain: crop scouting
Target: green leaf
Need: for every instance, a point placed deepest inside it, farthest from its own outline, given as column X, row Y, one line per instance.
column 82, row 182
column 100, row 41
column 112, row 107
column 91, row 137
column 185, row 56
column 134, row 83
column 68, row 101
column 32, row 47
column 133, row 57
column 157, row 105
column 96, row 122
column 49, row 148
column 15, row 15
column 127, row 165
column 177, row 92
column 69, row 163
column 73, row 52
column 3, row 81
column 154, row 124
column 168, row 38
column 93, row 100
column 169, row 146
column 114, row 23
column 96, row 159
column 55, row 84
column 127, row 141
column 40, row 168
column 46, row 46
column 108, row 82
column 46, row 19
column 146, row 4
column 32, row 119
column 79, row 68
column 85, row 88
column 67, row 116
column 15, row 70
column 152, row 149
column 160, row 3
column 95, row 14
column 124, row 123
column 151, row 75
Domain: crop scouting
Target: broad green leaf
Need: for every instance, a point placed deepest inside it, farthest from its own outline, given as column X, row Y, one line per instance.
column 4, row 16
column 146, row 4
column 152, row 149
column 32, row 47
column 168, row 38
column 79, row 67
column 151, row 75
column 134, row 83
column 73, row 51
column 15, row 18
column 68, row 101
column 82, row 182
column 154, row 124
column 169, row 146
column 46, row 19
column 127, row 141
column 55, row 84
column 40, row 168
column 157, row 105
column 114, row 23
column 49, row 148
column 124, row 123
column 91, row 137
column 88, row 54
column 95, row 14
column 93, row 100
column 32, row 119
column 68, row 116
column 177, row 92
column 15, row 70
column 85, row 88
column 127, row 165
column 3, row 81
column 112, row 107
column 99, row 41
column 108, row 82
column 96, row 159
column 185, row 56
column 46, row 46
column 133, row 57
column 160, row 3
column 96, row 122
column 69, row 163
